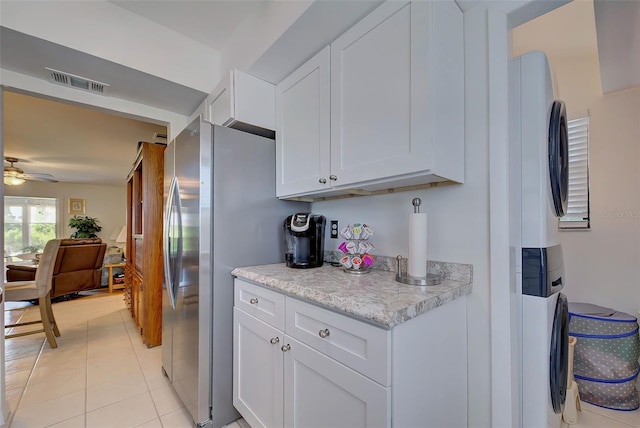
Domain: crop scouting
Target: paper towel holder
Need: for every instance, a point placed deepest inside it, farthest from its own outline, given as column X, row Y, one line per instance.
column 416, row 205
column 405, row 278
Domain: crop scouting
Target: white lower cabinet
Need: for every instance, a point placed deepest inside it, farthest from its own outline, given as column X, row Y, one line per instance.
column 320, row 392
column 276, row 377
column 257, row 371
column 323, row 369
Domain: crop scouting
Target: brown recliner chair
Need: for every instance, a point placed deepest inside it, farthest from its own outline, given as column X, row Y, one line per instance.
column 78, row 267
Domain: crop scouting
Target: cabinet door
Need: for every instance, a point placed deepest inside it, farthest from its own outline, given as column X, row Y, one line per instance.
column 303, row 129
column 240, row 97
column 257, row 371
column 138, row 302
column 378, row 76
column 320, row 392
column 219, row 103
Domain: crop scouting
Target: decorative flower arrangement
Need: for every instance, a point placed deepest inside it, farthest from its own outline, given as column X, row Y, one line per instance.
column 356, row 248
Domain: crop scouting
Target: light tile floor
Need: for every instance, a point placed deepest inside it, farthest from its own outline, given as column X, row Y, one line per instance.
column 101, row 375
column 597, row 417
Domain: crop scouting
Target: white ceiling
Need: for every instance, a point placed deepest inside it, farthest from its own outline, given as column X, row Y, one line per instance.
column 618, row 28
column 568, row 31
column 29, row 55
column 608, row 30
column 76, row 144
column 106, row 155
column 211, row 23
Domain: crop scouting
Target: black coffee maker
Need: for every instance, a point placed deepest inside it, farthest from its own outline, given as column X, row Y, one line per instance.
column 304, row 240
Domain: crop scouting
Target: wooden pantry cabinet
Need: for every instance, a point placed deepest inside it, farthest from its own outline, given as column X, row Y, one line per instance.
column 144, row 263
column 381, row 108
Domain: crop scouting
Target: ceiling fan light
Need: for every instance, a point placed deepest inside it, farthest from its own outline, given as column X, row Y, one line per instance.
column 13, row 181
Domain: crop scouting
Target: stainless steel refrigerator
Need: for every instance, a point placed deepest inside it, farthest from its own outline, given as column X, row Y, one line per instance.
column 220, row 212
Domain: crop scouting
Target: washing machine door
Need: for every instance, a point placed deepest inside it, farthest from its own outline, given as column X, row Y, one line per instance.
column 559, row 157
column 559, row 354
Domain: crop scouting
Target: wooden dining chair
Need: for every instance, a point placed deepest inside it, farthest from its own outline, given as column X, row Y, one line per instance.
column 40, row 289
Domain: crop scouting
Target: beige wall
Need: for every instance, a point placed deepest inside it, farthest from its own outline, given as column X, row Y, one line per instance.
column 106, row 203
column 602, row 265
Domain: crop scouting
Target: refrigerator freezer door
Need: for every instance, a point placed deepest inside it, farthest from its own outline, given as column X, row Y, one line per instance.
column 191, row 338
column 225, row 178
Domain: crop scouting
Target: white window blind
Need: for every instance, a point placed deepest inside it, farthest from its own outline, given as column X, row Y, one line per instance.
column 577, row 216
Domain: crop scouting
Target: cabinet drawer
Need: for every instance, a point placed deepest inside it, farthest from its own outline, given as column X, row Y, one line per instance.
column 263, row 304
column 358, row 345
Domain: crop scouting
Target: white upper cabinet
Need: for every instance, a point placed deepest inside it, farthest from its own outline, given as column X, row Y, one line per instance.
column 243, row 102
column 396, row 105
column 302, row 128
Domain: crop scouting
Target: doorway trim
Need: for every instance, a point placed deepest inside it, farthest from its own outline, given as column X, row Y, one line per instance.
column 506, row 352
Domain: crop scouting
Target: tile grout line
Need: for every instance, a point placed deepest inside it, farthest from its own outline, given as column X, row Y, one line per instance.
column 128, row 333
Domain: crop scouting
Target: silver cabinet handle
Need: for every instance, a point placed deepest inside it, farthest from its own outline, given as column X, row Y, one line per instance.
column 285, row 348
column 254, row 301
column 333, row 177
column 322, row 180
column 274, row 340
column 324, row 333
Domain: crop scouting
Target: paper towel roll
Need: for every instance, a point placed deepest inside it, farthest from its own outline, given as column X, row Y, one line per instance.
column 417, row 244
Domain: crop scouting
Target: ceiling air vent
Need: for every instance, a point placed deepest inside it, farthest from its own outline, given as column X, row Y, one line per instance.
column 78, row 82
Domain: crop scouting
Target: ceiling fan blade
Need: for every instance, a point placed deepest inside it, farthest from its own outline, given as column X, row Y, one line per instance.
column 48, row 178
column 15, row 172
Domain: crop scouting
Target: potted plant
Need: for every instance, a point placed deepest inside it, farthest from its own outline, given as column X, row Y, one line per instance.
column 86, row 227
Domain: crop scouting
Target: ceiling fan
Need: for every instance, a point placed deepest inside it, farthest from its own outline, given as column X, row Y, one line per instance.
column 14, row 176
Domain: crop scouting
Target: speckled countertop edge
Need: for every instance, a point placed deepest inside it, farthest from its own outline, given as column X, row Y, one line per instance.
column 375, row 297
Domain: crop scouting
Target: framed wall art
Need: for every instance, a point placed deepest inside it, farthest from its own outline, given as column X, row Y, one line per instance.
column 76, row 206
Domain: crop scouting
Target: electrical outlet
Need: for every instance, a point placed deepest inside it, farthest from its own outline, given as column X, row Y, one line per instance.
column 334, row 229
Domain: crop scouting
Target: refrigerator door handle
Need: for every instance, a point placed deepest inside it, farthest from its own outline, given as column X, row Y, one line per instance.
column 169, row 273
column 178, row 266
column 166, row 255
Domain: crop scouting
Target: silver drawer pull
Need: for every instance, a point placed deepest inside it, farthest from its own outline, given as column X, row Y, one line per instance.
column 324, row 333
column 274, row 340
column 285, row 348
column 322, row 180
column 254, row 301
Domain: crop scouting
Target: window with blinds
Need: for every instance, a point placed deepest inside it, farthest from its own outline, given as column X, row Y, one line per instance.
column 577, row 216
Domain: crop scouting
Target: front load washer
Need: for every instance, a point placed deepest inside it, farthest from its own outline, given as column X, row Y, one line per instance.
column 545, row 338
column 541, row 169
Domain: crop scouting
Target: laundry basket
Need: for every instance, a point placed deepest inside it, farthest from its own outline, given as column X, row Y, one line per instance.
column 605, row 356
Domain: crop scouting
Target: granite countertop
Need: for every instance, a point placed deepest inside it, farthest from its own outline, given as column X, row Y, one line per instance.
column 375, row 297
